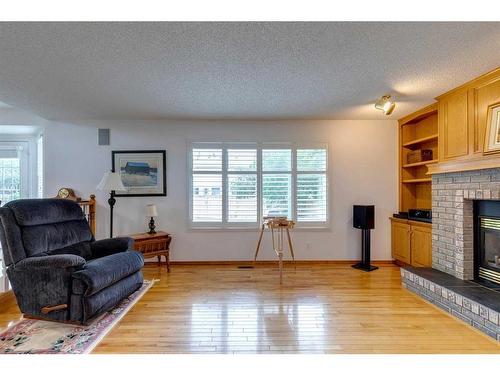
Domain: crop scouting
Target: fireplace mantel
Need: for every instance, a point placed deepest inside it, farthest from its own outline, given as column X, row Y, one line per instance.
column 486, row 162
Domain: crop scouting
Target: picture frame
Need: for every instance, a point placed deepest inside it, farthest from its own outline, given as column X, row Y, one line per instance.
column 492, row 134
column 143, row 172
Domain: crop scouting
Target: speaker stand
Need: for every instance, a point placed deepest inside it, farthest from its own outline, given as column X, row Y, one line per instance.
column 365, row 265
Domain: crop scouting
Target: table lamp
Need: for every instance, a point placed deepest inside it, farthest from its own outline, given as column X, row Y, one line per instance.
column 111, row 182
column 152, row 213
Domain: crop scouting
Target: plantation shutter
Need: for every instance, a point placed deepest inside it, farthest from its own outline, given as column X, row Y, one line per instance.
column 207, row 160
column 242, row 185
column 277, row 182
column 311, row 185
column 235, row 185
column 207, row 185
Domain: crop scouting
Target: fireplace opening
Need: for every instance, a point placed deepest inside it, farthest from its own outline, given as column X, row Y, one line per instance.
column 487, row 242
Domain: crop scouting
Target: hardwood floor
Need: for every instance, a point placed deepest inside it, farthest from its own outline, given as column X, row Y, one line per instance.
column 319, row 309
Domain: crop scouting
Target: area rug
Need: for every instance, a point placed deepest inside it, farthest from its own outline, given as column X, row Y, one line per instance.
column 30, row 336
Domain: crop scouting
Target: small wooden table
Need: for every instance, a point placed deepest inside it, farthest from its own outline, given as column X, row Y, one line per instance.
column 151, row 245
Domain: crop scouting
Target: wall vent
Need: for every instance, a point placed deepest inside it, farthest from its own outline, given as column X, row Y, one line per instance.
column 103, row 137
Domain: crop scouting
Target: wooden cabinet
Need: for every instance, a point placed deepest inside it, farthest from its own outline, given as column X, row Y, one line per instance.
column 482, row 96
column 453, row 126
column 401, row 241
column 462, row 118
column 421, row 246
column 411, row 242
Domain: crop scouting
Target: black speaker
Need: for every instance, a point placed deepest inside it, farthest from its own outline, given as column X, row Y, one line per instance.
column 363, row 217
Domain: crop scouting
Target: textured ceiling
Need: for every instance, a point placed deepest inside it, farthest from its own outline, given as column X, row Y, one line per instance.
column 236, row 70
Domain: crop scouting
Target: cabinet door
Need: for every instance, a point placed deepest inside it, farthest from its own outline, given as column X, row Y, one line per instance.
column 481, row 98
column 421, row 246
column 453, row 126
column 401, row 242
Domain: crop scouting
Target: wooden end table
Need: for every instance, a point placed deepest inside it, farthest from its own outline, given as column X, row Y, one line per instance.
column 153, row 245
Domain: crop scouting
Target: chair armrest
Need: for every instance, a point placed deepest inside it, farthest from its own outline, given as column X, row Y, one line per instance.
column 51, row 261
column 103, row 272
column 110, row 246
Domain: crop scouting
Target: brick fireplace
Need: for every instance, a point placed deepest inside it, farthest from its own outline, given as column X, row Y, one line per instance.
column 448, row 284
column 452, row 217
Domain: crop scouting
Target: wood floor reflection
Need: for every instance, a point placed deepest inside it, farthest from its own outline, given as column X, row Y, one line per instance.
column 318, row 309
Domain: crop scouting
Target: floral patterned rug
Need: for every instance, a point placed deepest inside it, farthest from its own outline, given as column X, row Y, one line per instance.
column 30, row 336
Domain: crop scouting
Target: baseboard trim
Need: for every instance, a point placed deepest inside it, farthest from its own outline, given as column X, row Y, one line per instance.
column 267, row 262
column 399, row 263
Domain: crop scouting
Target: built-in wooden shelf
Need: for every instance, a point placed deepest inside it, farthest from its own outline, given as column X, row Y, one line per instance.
column 417, row 180
column 425, row 162
column 417, row 131
column 420, row 140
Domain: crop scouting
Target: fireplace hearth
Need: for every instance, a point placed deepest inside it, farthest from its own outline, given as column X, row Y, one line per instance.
column 487, row 242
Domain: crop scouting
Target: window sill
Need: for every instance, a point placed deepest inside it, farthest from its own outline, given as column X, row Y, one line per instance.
column 254, row 229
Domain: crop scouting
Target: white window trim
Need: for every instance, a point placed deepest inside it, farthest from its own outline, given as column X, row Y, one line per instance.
column 225, row 225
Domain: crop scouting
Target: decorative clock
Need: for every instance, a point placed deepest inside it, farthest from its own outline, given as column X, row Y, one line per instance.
column 66, row 193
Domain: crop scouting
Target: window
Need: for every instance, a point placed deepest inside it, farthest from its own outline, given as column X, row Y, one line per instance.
column 13, row 171
column 277, row 182
column 207, row 175
column 17, row 178
column 311, row 185
column 236, row 184
column 241, row 185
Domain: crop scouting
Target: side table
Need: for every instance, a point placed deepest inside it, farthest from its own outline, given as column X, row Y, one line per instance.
column 151, row 245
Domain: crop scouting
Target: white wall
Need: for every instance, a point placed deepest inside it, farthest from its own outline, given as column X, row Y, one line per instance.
column 362, row 171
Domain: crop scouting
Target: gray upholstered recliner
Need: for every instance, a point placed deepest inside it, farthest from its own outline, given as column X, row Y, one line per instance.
column 56, row 268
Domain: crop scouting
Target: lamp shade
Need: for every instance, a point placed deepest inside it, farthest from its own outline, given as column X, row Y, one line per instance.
column 151, row 210
column 111, row 181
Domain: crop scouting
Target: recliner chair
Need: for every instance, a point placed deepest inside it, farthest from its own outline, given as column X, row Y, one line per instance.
column 57, row 270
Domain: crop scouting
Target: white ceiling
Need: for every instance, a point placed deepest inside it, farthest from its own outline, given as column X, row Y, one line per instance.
column 277, row 70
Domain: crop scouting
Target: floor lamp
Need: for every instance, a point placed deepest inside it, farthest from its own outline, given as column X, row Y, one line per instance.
column 111, row 182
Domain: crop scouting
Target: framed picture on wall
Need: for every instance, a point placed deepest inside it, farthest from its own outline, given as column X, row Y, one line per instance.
column 492, row 135
column 143, row 173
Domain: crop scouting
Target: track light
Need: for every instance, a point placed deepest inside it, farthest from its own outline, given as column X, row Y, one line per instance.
column 385, row 104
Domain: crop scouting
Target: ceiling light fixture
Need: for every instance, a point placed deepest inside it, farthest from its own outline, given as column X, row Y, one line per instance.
column 386, row 104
